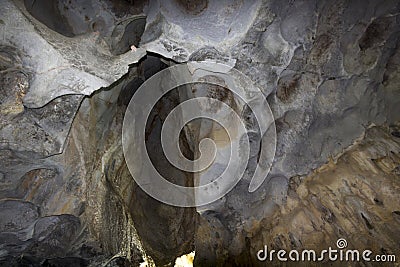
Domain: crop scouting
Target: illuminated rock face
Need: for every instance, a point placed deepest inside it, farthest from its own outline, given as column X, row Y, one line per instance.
column 328, row 69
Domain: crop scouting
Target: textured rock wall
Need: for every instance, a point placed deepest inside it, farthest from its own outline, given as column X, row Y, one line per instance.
column 59, row 205
column 354, row 196
column 328, row 69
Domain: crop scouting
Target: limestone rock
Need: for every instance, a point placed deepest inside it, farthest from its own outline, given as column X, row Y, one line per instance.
column 328, row 69
column 77, row 65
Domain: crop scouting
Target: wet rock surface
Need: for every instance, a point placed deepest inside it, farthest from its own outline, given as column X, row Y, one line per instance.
column 329, row 71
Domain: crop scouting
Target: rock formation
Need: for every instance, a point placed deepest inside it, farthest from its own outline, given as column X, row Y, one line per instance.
column 329, row 70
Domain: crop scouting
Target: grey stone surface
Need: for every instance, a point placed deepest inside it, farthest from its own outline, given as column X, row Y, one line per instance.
column 79, row 65
column 321, row 65
column 176, row 29
column 23, row 231
column 325, row 68
column 328, row 69
column 119, row 23
column 44, row 77
column 17, row 215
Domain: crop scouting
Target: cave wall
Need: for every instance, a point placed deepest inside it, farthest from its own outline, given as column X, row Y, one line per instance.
column 328, row 69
